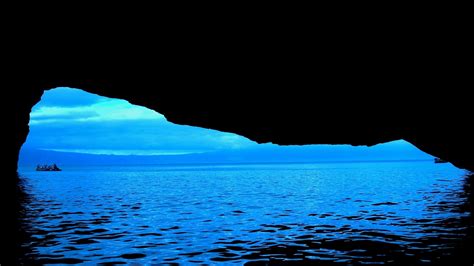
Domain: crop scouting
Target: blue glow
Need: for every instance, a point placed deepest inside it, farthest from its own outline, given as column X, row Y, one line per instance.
column 136, row 189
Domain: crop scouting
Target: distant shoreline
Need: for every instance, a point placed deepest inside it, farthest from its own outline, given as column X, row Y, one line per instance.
column 236, row 163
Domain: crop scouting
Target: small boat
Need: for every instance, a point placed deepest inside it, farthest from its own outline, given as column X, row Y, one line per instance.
column 53, row 168
column 439, row 160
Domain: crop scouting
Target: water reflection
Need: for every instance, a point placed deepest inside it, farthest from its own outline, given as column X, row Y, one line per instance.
column 22, row 218
column 116, row 228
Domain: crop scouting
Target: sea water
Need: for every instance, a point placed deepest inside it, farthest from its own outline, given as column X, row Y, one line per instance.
column 336, row 213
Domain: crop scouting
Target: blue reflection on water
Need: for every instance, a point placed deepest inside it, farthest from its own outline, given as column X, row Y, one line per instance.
column 391, row 212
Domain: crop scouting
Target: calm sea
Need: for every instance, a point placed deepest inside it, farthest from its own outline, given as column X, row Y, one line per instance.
column 332, row 213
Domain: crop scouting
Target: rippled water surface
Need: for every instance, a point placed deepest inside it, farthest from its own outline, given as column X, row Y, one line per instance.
column 338, row 213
